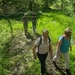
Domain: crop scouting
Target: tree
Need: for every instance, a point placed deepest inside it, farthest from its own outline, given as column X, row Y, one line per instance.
column 62, row 4
column 47, row 3
column 73, row 4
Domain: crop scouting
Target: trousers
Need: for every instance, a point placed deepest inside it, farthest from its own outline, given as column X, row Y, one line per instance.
column 42, row 59
column 66, row 57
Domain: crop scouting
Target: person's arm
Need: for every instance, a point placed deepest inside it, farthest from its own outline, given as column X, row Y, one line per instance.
column 34, row 47
column 70, row 47
column 32, row 19
column 58, row 47
column 34, row 52
column 51, row 55
column 23, row 19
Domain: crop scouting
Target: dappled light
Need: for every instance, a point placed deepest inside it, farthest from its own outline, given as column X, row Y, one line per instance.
column 16, row 56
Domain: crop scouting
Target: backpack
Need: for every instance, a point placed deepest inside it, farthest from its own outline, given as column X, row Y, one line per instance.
column 41, row 42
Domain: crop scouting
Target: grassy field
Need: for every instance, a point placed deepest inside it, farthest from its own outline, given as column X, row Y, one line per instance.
column 10, row 28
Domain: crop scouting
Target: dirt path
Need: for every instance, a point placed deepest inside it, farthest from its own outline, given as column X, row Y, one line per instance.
column 20, row 51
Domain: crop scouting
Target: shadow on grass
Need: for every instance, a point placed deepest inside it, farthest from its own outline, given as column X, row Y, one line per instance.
column 49, row 73
column 11, row 29
column 37, row 34
column 29, row 36
column 59, row 69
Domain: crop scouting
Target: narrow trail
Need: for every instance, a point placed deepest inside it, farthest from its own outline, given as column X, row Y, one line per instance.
column 21, row 54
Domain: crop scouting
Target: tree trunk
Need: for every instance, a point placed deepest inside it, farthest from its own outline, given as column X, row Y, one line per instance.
column 4, row 6
column 46, row 4
column 30, row 5
column 62, row 4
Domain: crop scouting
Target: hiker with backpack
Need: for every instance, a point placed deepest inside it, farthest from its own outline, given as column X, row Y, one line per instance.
column 34, row 22
column 25, row 23
column 43, row 46
column 63, row 46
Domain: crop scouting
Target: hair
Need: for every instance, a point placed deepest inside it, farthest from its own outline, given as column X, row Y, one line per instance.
column 25, row 14
column 67, row 30
column 45, row 30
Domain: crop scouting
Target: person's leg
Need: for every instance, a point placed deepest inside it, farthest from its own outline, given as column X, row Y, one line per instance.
column 42, row 58
column 55, row 57
column 24, row 28
column 34, row 29
column 33, row 26
column 66, row 57
column 27, row 28
column 45, row 56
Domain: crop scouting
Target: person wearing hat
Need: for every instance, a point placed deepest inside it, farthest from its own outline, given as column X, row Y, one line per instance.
column 63, row 46
column 25, row 23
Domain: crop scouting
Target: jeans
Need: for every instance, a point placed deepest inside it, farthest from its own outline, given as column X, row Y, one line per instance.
column 42, row 58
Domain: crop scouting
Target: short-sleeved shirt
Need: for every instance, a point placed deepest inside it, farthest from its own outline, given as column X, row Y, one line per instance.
column 25, row 20
column 65, row 44
column 44, row 47
column 34, row 18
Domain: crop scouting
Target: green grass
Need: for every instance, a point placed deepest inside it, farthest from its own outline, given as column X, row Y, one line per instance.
column 72, row 58
column 55, row 22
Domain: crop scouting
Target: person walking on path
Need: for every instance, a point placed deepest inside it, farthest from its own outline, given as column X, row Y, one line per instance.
column 42, row 50
column 63, row 46
column 34, row 20
column 25, row 23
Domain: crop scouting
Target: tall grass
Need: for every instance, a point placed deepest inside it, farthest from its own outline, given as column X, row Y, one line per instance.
column 55, row 23
column 8, row 29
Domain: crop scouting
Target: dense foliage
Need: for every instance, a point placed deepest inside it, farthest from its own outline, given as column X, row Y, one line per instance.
column 14, row 6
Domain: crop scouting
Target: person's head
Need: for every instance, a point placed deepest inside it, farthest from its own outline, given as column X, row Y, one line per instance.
column 25, row 14
column 45, row 33
column 68, row 31
column 34, row 14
